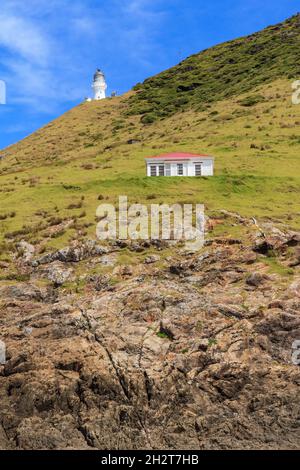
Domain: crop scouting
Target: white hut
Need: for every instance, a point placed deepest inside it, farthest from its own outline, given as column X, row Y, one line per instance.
column 180, row 164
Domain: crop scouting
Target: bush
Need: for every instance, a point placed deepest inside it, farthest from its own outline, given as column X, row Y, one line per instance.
column 252, row 100
column 149, row 118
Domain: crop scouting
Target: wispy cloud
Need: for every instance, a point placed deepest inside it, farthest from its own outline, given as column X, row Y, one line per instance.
column 22, row 37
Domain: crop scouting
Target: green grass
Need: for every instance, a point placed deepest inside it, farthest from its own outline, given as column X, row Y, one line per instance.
column 258, row 196
column 275, row 267
column 162, row 335
column 226, row 70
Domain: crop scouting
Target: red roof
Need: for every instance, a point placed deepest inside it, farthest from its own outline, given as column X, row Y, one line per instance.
column 180, row 156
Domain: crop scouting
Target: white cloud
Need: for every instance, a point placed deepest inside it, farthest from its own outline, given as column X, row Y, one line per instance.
column 21, row 36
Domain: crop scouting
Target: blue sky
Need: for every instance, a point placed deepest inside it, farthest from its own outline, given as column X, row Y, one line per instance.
column 49, row 49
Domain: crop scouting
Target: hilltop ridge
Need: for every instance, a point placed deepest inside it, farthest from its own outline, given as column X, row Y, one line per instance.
column 219, row 73
column 223, row 71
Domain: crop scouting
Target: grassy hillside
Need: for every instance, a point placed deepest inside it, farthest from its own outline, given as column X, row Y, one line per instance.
column 240, row 111
column 221, row 72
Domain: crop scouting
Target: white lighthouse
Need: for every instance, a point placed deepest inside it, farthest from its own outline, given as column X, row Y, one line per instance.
column 99, row 85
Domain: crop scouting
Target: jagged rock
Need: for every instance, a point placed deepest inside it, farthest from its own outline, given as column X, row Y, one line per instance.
column 155, row 361
column 262, row 246
column 152, row 259
column 73, row 254
column 277, row 304
column 26, row 250
column 137, row 247
column 295, row 261
column 28, row 292
column 58, row 274
column 177, row 269
column 4, row 264
column 231, row 310
column 127, row 271
column 4, row 442
column 100, row 282
column 275, row 239
column 203, row 344
column 109, row 260
column 295, row 288
column 121, row 243
column 249, row 258
column 61, row 433
column 226, row 241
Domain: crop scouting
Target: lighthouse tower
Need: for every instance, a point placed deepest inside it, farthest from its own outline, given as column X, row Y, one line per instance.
column 99, row 85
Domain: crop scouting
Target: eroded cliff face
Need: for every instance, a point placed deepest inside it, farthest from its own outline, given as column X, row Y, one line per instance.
column 190, row 352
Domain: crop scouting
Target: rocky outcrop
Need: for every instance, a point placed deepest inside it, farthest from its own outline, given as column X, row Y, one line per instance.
column 72, row 254
column 271, row 238
column 195, row 354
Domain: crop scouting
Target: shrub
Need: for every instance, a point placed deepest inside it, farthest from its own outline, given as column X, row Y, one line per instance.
column 75, row 205
column 252, row 100
column 149, row 118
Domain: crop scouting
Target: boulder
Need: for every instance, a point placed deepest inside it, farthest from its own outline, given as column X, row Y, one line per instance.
column 26, row 250
column 256, row 279
column 58, row 273
column 73, row 254
column 152, row 259
column 295, row 288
